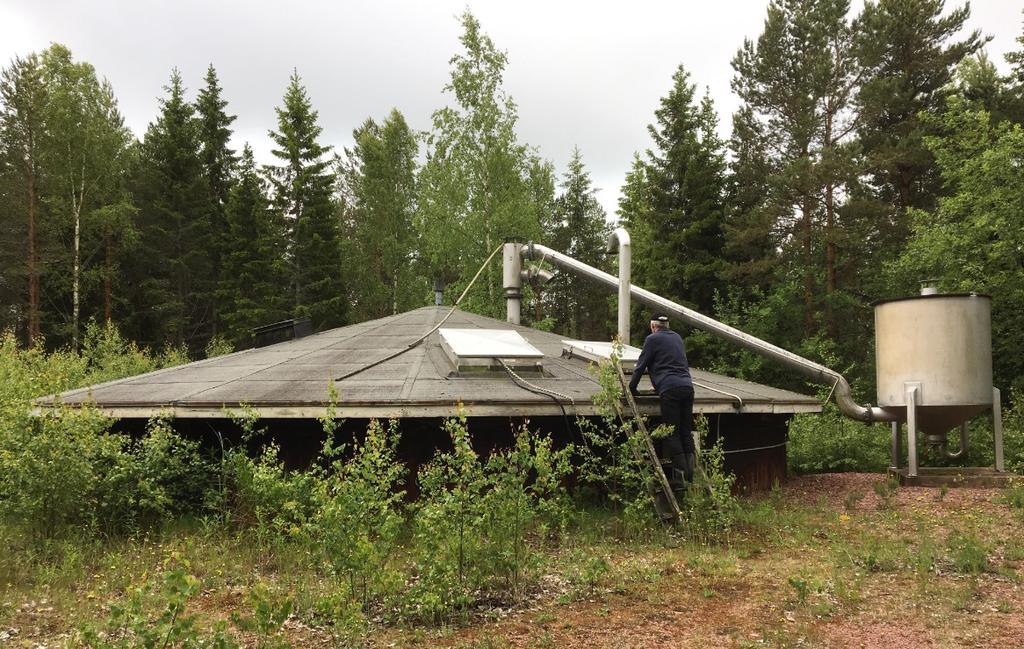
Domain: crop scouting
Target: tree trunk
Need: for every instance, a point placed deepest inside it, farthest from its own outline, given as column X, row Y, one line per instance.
column 904, row 187
column 33, row 259
column 108, row 279
column 76, row 208
column 830, row 257
column 830, row 246
column 808, row 268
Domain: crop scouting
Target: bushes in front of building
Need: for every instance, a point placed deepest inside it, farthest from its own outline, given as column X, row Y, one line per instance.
column 67, row 475
column 829, row 442
column 64, row 473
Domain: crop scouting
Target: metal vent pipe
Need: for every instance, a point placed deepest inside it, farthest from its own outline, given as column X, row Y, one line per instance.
column 814, row 371
column 619, row 240
column 512, row 281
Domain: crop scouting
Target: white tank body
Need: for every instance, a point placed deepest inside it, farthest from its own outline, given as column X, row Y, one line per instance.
column 942, row 344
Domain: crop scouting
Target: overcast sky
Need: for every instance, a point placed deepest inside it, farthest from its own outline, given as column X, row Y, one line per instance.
column 586, row 73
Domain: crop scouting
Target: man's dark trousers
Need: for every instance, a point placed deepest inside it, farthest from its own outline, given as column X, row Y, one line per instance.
column 677, row 411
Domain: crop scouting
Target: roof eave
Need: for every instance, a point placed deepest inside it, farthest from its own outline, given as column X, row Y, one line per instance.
column 408, row 410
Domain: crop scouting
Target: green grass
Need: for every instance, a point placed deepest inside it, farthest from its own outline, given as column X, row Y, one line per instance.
column 801, row 561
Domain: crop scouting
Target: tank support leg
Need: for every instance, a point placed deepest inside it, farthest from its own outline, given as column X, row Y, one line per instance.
column 897, row 452
column 912, row 431
column 997, row 427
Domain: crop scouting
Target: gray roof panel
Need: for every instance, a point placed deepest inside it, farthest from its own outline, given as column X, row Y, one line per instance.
column 291, row 379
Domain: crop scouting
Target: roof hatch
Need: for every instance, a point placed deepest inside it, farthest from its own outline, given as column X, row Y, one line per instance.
column 484, row 348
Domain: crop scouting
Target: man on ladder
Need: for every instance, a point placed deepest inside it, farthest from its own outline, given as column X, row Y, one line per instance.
column 664, row 357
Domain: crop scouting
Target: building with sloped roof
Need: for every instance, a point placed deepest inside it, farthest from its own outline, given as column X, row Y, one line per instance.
column 407, row 367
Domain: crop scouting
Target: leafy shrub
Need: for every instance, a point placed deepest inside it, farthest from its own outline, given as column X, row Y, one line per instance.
column 830, row 442
column 49, row 470
column 218, row 346
column 709, row 508
column 612, row 460
column 471, row 526
column 267, row 620
column 67, row 472
column 262, row 495
column 109, row 356
column 448, row 530
column 155, row 617
column 358, row 514
column 63, row 470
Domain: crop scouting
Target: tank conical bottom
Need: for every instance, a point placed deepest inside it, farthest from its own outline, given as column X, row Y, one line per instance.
column 939, row 420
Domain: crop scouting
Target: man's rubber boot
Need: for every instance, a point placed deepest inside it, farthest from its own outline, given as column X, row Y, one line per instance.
column 690, row 464
column 679, row 475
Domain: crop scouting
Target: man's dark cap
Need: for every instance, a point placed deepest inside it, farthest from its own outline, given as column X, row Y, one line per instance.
column 659, row 317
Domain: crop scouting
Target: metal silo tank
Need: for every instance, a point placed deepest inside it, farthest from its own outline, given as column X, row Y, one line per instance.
column 942, row 345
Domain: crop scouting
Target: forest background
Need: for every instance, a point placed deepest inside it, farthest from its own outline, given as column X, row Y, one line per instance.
column 871, row 150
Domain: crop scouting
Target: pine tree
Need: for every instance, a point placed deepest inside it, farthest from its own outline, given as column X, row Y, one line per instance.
column 302, row 184
column 174, row 259
column 219, row 162
column 252, row 286
column 978, row 81
column 23, row 98
column 381, row 235
column 908, row 54
column 579, row 229
column 797, row 83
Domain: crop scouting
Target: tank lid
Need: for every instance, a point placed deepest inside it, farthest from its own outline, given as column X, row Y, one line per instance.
column 931, row 296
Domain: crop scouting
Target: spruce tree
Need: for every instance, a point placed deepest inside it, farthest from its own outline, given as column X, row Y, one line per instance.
column 252, row 290
column 682, row 258
column 303, row 183
column 579, row 229
column 22, row 109
column 219, row 162
column 909, row 54
column 752, row 220
column 174, row 259
column 634, row 214
column 381, row 186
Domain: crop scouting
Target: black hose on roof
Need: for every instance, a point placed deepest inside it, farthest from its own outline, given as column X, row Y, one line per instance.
column 424, row 336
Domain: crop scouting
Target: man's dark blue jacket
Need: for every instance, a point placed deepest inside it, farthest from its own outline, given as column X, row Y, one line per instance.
column 664, row 356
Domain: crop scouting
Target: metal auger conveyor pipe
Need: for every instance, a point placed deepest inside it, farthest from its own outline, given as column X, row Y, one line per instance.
column 814, row 371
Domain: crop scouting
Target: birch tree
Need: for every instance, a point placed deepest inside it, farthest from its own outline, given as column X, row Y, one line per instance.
column 85, row 145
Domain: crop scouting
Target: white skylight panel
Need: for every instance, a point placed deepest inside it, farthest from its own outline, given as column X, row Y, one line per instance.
column 596, row 350
column 476, row 347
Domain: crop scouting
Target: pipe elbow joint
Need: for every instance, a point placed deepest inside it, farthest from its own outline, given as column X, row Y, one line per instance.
column 619, row 238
